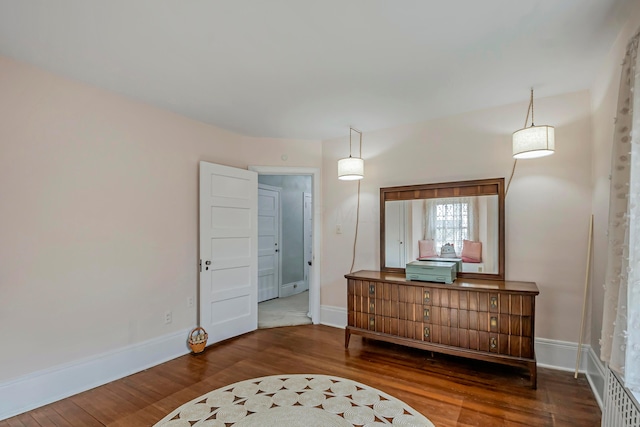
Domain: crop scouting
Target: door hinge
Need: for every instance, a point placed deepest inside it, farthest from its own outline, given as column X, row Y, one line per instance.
column 200, row 265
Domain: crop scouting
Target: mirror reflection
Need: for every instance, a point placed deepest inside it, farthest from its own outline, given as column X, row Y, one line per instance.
column 465, row 228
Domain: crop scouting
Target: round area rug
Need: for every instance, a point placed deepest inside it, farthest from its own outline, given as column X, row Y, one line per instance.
column 295, row 401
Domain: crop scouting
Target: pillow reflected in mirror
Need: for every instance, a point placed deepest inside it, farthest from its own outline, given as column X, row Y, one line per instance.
column 471, row 251
column 427, row 248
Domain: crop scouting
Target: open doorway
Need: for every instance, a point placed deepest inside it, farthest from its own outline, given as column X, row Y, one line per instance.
column 284, row 204
column 298, row 299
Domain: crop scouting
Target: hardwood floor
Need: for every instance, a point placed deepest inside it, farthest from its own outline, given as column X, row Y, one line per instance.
column 448, row 391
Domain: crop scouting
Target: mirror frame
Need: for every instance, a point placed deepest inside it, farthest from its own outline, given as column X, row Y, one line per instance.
column 478, row 187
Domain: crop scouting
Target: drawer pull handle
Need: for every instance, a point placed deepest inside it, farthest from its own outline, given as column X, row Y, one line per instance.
column 493, row 343
column 427, row 332
column 427, row 314
column 372, row 322
column 427, row 297
column 494, row 322
column 372, row 289
column 494, row 302
column 372, row 306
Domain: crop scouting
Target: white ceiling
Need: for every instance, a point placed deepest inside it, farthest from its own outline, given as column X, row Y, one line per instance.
column 310, row 69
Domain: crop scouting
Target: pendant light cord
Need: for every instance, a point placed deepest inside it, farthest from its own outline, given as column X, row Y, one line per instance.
column 350, row 132
column 355, row 237
column 513, row 170
column 515, row 161
column 531, row 107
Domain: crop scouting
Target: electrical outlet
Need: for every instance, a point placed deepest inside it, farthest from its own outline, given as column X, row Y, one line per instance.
column 168, row 317
column 189, row 302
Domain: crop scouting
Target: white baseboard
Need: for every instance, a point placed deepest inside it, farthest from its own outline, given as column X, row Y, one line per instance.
column 292, row 288
column 597, row 376
column 560, row 355
column 49, row 385
column 333, row 316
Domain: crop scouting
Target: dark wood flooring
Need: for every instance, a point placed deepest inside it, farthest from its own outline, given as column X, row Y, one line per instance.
column 448, row 391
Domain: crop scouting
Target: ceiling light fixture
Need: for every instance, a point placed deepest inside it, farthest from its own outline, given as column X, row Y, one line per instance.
column 533, row 141
column 351, row 168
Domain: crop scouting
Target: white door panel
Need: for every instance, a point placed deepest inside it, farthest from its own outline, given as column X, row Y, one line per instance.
column 228, row 251
column 230, row 217
column 230, row 294
column 232, row 186
column 230, row 279
column 226, row 248
column 268, row 242
column 229, row 310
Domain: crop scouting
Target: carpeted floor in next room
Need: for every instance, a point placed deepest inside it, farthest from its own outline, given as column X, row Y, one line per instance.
column 289, row 311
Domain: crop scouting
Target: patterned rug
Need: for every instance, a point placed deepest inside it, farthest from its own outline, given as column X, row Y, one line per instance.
column 295, row 401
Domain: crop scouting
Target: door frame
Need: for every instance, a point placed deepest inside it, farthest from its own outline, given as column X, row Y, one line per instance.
column 279, row 190
column 304, row 237
column 314, row 285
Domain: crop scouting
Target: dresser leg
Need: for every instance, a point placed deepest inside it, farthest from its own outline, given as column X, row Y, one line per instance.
column 533, row 375
column 347, row 336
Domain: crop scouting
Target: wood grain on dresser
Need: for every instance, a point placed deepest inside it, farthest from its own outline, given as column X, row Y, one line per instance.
column 491, row 320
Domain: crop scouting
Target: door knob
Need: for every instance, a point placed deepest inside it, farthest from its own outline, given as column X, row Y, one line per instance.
column 309, row 262
column 207, row 262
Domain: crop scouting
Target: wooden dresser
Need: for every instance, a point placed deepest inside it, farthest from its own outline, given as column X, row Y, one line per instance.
column 490, row 320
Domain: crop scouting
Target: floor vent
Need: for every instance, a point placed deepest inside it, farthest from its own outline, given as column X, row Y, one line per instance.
column 620, row 408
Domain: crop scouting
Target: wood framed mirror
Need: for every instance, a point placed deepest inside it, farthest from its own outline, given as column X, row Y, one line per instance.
column 417, row 220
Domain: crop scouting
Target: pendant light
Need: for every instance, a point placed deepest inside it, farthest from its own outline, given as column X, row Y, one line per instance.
column 351, row 168
column 533, row 141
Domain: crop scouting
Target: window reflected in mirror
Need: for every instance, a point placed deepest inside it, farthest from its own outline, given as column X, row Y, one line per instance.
column 464, row 228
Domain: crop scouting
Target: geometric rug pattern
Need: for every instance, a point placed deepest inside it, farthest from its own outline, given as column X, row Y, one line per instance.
column 295, row 401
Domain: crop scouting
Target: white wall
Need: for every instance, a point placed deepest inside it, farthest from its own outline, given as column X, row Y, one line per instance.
column 98, row 219
column 547, row 207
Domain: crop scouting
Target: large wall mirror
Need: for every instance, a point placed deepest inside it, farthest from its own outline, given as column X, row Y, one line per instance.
column 416, row 221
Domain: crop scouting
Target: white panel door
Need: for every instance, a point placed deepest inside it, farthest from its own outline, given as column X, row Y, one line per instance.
column 395, row 234
column 228, row 251
column 268, row 243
